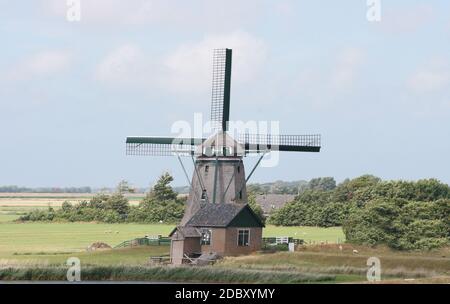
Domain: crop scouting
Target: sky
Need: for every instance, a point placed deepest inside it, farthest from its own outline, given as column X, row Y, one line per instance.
column 71, row 92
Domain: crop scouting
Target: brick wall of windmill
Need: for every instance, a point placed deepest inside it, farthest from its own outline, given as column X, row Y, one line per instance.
column 226, row 169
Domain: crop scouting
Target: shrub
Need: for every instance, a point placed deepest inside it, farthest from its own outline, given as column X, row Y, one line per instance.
column 400, row 224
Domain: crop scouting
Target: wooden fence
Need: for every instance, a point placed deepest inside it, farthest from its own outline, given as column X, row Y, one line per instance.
column 160, row 241
column 282, row 240
column 165, row 241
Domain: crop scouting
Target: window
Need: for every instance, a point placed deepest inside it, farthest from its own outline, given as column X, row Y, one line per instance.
column 206, row 237
column 206, row 169
column 240, row 194
column 239, row 169
column 203, row 194
column 243, row 237
column 228, row 151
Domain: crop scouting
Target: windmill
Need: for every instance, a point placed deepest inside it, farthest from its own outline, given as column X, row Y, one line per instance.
column 219, row 175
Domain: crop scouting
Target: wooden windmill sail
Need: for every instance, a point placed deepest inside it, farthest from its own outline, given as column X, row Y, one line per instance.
column 219, row 175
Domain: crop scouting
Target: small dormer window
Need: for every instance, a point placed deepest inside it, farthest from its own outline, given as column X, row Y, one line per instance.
column 203, row 195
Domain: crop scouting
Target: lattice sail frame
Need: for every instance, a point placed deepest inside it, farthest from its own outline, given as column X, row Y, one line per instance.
column 251, row 143
column 162, row 146
column 159, row 150
column 220, row 113
column 221, row 86
column 257, row 143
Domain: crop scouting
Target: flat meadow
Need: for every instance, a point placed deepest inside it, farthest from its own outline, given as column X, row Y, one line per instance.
column 31, row 238
column 37, row 250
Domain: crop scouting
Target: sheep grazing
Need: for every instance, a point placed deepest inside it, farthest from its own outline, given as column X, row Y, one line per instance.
column 355, row 251
column 340, row 247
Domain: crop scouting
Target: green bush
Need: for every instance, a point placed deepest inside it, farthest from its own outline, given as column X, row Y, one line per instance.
column 160, row 204
column 275, row 247
column 401, row 214
column 400, row 224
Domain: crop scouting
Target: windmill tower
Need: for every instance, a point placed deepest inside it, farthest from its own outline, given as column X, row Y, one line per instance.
column 219, row 181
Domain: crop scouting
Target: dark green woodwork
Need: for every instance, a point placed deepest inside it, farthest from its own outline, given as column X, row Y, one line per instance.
column 216, row 167
column 284, row 148
column 227, row 90
column 165, row 141
column 246, row 218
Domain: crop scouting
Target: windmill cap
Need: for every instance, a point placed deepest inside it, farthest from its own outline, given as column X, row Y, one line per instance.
column 221, row 144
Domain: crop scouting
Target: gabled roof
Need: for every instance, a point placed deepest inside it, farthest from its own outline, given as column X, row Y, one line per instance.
column 223, row 215
column 186, row 231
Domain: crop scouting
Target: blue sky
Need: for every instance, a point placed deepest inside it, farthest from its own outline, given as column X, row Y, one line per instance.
column 70, row 92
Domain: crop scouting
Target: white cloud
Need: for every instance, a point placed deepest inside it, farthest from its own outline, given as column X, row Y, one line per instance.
column 323, row 86
column 178, row 14
column 104, row 10
column 190, row 66
column 42, row 64
column 346, row 69
column 432, row 77
column 126, row 64
column 187, row 69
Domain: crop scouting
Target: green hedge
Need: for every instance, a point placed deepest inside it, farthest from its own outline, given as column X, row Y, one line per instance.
column 164, row 274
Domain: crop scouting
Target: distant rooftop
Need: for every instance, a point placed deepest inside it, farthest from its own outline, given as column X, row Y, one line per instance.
column 271, row 202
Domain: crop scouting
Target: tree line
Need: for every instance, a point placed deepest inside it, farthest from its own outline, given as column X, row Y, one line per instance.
column 17, row 189
column 401, row 214
column 404, row 215
column 161, row 204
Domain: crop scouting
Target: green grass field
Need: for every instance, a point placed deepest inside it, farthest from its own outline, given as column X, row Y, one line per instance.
column 29, row 238
column 40, row 247
column 62, row 237
column 8, row 217
column 315, row 261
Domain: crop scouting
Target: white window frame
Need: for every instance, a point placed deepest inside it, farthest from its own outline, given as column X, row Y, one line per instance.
column 249, row 232
column 210, row 237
